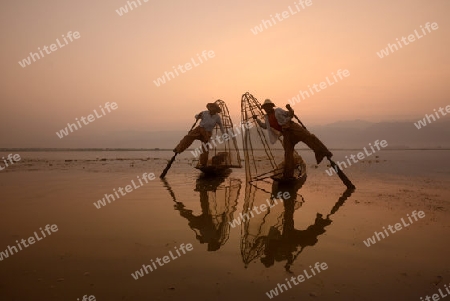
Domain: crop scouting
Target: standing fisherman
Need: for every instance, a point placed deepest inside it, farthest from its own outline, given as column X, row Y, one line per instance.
column 280, row 123
column 203, row 132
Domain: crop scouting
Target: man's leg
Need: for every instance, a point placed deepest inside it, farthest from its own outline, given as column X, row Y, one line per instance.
column 288, row 146
column 205, row 137
column 188, row 139
column 298, row 133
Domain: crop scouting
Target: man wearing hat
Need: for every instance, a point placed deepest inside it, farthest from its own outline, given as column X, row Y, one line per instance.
column 280, row 124
column 203, row 132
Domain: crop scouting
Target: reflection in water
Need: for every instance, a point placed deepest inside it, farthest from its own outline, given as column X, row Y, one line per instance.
column 272, row 236
column 218, row 202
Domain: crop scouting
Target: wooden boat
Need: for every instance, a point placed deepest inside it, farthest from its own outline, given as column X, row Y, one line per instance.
column 218, row 164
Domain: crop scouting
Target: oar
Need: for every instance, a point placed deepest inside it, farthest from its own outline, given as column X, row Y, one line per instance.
column 169, row 164
column 340, row 173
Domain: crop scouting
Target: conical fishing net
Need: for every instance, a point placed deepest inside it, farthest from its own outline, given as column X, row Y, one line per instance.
column 262, row 158
column 218, row 203
column 256, row 229
column 271, row 236
column 223, row 148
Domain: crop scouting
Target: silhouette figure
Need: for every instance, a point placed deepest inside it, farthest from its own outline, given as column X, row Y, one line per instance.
column 218, row 201
column 276, row 238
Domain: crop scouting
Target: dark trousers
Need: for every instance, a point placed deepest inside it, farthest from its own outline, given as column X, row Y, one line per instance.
column 294, row 133
column 198, row 133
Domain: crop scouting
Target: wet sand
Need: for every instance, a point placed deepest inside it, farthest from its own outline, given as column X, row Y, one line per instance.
column 95, row 251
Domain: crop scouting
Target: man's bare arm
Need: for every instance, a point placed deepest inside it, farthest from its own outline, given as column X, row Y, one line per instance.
column 261, row 124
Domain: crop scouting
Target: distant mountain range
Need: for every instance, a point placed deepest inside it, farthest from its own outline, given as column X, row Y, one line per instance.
column 345, row 134
column 351, row 134
column 339, row 135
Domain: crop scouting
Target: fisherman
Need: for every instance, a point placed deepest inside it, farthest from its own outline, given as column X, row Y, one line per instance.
column 209, row 119
column 280, row 124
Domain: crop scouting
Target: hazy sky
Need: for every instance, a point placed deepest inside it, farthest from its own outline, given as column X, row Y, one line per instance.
column 117, row 58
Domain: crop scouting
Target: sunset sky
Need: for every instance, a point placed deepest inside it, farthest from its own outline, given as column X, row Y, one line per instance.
column 118, row 58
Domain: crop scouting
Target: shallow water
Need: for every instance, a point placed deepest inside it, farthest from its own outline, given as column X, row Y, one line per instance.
column 95, row 251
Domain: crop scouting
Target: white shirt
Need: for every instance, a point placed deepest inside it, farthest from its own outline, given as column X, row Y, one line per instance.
column 209, row 121
column 282, row 117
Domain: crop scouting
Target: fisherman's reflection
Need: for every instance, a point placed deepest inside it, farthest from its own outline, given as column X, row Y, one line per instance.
column 218, row 201
column 284, row 242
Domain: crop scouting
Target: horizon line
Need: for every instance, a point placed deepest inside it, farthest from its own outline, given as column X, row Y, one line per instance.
column 31, row 149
